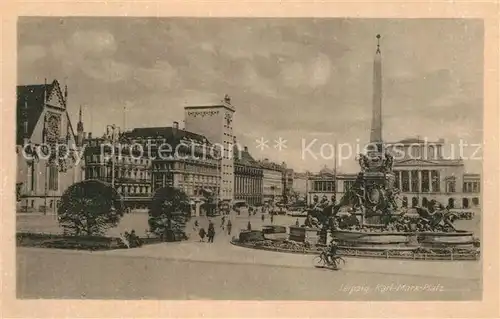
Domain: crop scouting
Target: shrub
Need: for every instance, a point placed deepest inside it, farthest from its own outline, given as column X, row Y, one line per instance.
column 89, row 208
column 168, row 212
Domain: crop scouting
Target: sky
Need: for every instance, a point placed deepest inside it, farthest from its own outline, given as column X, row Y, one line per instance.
column 306, row 81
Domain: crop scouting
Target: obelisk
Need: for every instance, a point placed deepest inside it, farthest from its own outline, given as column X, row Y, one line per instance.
column 376, row 129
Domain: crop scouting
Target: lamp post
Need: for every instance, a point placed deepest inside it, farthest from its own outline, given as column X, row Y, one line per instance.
column 111, row 131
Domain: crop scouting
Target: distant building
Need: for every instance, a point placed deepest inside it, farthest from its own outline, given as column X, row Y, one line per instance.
column 215, row 122
column 422, row 174
column 43, row 119
column 321, row 185
column 272, row 181
column 248, row 177
column 190, row 162
column 132, row 170
column 300, row 184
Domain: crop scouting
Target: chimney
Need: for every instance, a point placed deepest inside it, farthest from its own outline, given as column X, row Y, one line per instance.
column 246, row 149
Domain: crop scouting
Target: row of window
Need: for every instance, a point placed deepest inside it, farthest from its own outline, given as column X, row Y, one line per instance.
column 53, row 182
column 466, row 202
column 130, row 189
column 324, row 186
column 471, row 187
column 423, row 181
column 117, row 159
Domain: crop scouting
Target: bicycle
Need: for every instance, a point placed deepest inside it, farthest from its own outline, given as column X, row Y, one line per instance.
column 326, row 260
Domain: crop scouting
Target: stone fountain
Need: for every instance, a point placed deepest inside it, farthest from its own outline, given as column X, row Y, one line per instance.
column 374, row 224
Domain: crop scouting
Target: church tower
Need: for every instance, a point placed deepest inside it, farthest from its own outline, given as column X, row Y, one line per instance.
column 376, row 129
column 79, row 129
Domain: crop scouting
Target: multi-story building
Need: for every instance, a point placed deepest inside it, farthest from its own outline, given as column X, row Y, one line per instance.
column 44, row 126
column 215, row 122
column 422, row 174
column 321, row 185
column 300, row 184
column 181, row 159
column 272, row 181
column 116, row 163
column 247, row 177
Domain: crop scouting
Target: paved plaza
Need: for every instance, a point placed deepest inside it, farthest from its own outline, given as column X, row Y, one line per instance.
column 198, row 270
column 113, row 276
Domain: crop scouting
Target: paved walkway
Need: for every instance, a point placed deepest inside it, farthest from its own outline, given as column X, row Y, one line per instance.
column 224, row 252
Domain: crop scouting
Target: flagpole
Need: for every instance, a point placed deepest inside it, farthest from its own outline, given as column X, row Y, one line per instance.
column 335, row 172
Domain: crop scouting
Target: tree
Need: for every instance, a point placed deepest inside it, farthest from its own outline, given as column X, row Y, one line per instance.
column 168, row 212
column 90, row 208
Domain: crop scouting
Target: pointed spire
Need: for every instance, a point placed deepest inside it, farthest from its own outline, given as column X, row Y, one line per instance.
column 80, row 114
column 45, row 90
column 378, row 44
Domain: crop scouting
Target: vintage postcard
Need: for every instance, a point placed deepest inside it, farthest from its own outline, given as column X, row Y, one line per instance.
column 167, row 161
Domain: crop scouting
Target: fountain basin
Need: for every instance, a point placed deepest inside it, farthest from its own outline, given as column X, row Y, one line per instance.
column 302, row 234
column 459, row 240
column 374, row 240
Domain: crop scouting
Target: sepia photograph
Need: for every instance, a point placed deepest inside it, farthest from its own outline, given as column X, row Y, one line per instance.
column 195, row 158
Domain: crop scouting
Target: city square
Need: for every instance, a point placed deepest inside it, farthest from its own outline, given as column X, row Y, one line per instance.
column 211, row 196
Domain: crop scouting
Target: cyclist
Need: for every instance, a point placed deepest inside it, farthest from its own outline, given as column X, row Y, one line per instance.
column 332, row 251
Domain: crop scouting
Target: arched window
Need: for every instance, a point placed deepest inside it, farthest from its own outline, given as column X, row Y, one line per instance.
column 414, row 202
column 465, row 203
column 451, row 203
column 475, row 201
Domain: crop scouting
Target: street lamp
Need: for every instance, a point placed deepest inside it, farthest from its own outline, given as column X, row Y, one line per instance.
column 111, row 131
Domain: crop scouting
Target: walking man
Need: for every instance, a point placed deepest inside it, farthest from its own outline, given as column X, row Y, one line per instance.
column 249, row 226
column 263, row 217
column 211, row 232
column 272, row 218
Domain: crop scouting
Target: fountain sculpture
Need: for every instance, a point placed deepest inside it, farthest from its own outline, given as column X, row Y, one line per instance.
column 374, row 224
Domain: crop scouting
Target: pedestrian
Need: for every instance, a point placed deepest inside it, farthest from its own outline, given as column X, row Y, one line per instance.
column 211, row 232
column 229, row 226
column 202, row 234
column 223, row 222
column 272, row 218
column 297, row 222
column 263, row 217
column 249, row 226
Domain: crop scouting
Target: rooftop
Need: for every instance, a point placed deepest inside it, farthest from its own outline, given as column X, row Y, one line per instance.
column 30, row 106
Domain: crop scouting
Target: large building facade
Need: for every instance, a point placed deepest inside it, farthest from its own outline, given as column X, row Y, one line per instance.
column 423, row 174
column 248, row 177
column 321, row 185
column 114, row 162
column 43, row 127
column 272, row 181
column 182, row 159
column 215, row 122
